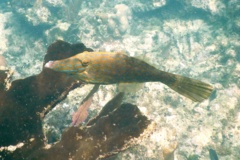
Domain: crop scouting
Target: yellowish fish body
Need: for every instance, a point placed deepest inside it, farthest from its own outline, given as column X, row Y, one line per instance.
column 101, row 67
column 113, row 67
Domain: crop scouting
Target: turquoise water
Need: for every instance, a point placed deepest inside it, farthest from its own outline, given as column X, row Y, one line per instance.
column 198, row 39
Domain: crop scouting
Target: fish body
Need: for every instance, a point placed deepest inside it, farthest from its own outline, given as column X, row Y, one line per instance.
column 107, row 68
column 115, row 67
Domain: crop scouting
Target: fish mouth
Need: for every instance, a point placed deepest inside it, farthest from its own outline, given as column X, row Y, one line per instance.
column 49, row 64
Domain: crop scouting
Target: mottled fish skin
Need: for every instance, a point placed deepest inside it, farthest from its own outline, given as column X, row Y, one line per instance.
column 108, row 68
column 114, row 67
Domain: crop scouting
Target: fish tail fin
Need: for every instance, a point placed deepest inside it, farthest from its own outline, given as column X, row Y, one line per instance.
column 191, row 88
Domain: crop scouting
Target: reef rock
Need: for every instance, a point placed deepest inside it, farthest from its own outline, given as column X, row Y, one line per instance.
column 25, row 103
column 105, row 135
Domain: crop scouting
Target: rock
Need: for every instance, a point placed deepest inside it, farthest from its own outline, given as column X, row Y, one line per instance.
column 105, row 135
column 5, row 76
column 27, row 101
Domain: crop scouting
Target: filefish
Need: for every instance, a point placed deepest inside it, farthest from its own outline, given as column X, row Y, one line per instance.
column 116, row 67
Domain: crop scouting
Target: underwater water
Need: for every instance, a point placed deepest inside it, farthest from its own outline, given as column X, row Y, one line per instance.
column 197, row 39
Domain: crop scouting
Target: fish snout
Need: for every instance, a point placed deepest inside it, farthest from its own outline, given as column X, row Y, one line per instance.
column 49, row 64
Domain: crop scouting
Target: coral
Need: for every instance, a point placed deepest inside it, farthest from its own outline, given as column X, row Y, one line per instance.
column 118, row 22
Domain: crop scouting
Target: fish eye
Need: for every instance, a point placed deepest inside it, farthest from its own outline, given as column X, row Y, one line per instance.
column 80, row 63
column 84, row 64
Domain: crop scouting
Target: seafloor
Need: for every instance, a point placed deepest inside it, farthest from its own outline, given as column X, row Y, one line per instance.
column 198, row 39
